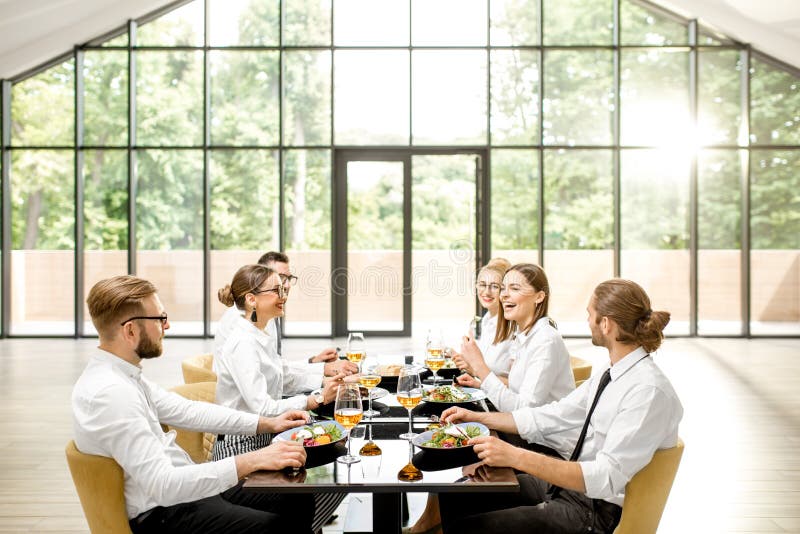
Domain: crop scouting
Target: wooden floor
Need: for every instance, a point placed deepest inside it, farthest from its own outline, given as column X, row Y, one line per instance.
column 740, row 471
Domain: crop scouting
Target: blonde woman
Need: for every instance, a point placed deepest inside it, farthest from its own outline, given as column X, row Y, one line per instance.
column 540, row 371
column 487, row 288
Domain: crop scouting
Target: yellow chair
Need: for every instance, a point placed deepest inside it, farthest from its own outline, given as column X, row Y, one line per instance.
column 581, row 370
column 199, row 369
column 199, row 445
column 647, row 492
column 99, row 482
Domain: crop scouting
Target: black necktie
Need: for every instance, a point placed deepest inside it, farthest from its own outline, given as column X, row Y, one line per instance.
column 604, row 381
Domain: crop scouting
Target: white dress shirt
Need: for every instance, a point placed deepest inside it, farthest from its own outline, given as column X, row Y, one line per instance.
column 496, row 356
column 117, row 414
column 314, row 372
column 637, row 414
column 540, row 370
column 252, row 377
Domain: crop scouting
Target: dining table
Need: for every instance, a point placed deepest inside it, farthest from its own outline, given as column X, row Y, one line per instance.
column 443, row 471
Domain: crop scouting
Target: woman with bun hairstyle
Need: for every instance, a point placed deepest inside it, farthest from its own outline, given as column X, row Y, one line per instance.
column 252, row 377
column 487, row 287
column 540, row 370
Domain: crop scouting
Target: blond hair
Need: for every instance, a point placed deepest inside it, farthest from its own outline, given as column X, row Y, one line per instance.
column 496, row 265
column 627, row 304
column 112, row 300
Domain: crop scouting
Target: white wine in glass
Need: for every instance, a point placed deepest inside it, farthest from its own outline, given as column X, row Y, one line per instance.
column 409, row 395
column 356, row 348
column 348, row 411
column 369, row 379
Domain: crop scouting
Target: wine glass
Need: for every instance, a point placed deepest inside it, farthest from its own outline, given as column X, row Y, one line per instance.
column 434, row 357
column 369, row 378
column 409, row 394
column 348, row 411
column 356, row 348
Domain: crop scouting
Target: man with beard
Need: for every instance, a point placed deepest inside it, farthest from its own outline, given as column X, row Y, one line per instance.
column 118, row 413
column 613, row 423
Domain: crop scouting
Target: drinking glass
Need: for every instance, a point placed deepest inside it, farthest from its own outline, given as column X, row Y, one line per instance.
column 434, row 357
column 369, row 379
column 348, row 411
column 356, row 348
column 409, row 394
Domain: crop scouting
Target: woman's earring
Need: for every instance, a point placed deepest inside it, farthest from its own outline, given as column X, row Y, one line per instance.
column 253, row 316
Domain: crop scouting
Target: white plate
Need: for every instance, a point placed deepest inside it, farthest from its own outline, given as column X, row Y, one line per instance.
column 286, row 435
column 474, row 396
column 426, row 436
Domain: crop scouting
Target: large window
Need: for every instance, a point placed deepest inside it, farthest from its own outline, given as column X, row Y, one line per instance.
column 616, row 139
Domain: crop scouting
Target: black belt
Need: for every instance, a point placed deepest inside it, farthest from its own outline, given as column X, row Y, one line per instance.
column 220, row 437
column 141, row 518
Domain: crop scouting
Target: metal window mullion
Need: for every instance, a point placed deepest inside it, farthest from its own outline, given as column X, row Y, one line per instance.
column 131, row 147
column 540, row 159
column 334, row 169
column 617, row 152
column 5, row 208
column 206, row 179
column 694, row 235
column 78, row 193
column 745, row 179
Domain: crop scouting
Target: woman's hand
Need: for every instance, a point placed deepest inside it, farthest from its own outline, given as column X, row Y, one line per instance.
column 454, row 414
column 473, row 358
column 331, row 385
column 468, row 381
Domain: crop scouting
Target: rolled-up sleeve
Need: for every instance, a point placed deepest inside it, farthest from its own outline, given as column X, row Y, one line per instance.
column 554, row 423
column 180, row 412
column 300, row 377
column 634, row 435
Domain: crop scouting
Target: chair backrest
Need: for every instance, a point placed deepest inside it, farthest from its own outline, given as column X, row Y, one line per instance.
column 581, row 370
column 199, row 445
column 199, row 369
column 647, row 492
column 100, row 484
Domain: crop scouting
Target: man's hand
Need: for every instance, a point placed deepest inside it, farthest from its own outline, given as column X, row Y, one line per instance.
column 284, row 421
column 276, row 456
column 327, row 355
column 340, row 367
column 496, row 452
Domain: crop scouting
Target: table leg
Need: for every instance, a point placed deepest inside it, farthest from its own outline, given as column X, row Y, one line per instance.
column 386, row 512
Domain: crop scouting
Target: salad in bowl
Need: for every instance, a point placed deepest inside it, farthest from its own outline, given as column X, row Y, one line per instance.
column 315, row 435
column 450, row 436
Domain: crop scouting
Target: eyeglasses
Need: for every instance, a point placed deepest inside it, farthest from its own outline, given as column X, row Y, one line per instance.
column 162, row 318
column 278, row 290
column 481, row 286
column 288, row 279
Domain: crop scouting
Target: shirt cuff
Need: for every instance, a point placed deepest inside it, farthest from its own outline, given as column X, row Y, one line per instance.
column 594, row 480
column 315, row 372
column 227, row 472
column 492, row 384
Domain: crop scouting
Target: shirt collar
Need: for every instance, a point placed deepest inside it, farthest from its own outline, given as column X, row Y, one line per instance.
column 538, row 325
column 127, row 368
column 630, row 359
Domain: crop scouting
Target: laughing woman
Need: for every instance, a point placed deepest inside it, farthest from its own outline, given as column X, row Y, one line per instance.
column 540, row 371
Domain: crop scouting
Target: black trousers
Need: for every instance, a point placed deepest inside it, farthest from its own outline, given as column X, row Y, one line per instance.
column 529, row 511
column 235, row 510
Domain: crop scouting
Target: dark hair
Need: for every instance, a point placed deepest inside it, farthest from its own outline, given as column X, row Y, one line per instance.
column 114, row 299
column 272, row 256
column 627, row 304
column 246, row 280
column 538, row 280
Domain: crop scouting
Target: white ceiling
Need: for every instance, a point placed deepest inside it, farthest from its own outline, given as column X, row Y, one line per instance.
column 34, row 31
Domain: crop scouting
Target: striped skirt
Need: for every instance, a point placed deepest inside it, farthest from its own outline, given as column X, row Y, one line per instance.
column 325, row 504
